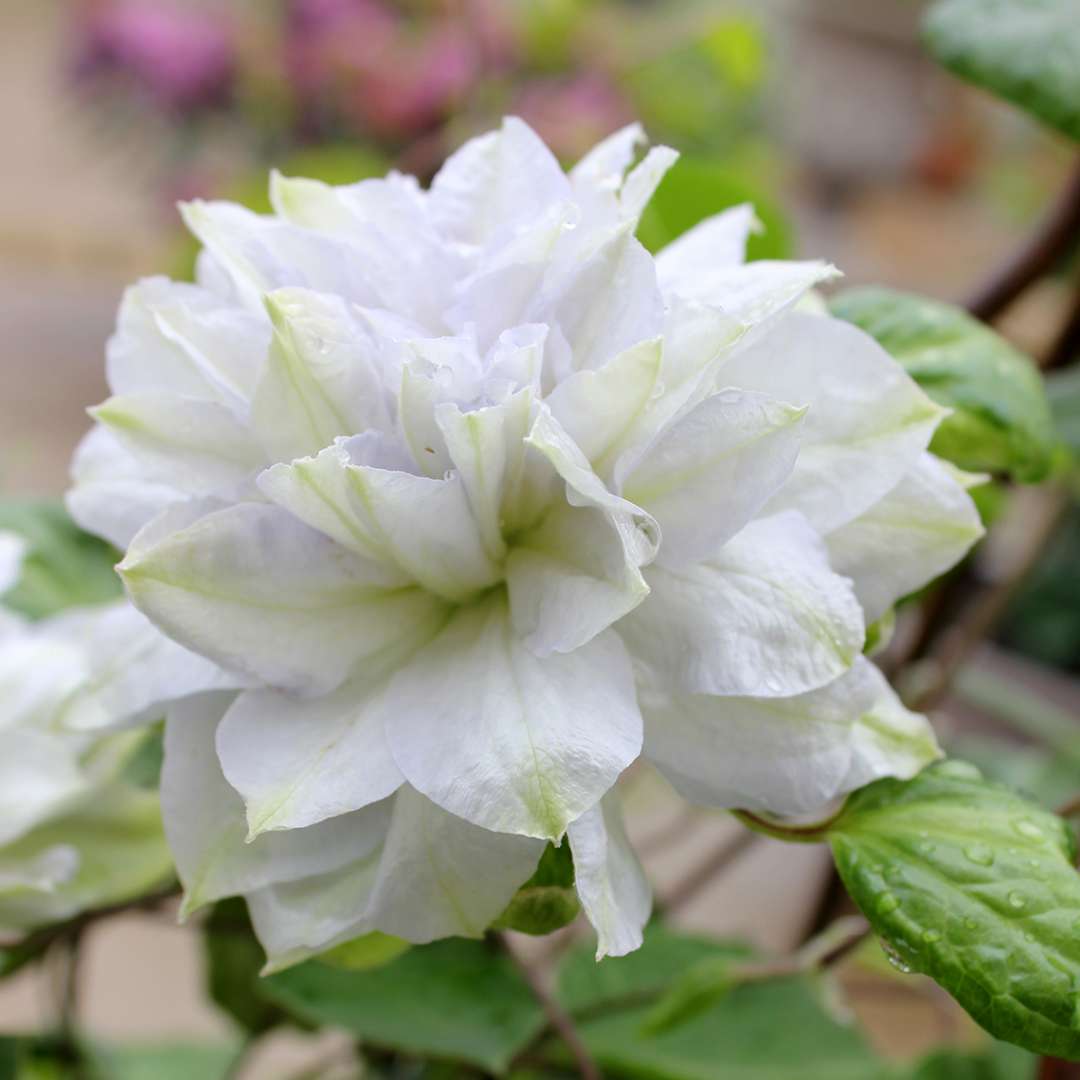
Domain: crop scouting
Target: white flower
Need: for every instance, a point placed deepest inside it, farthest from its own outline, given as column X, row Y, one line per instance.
column 488, row 502
column 73, row 833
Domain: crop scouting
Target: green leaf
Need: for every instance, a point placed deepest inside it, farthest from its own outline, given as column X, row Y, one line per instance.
column 63, row 566
column 122, row 854
column 760, row 1031
column 365, row 952
column 974, row 886
column 165, row 1061
column 1063, row 390
column 707, row 982
column 697, row 188
column 1026, row 51
column 1000, row 1062
column 456, row 999
column 548, row 900
column 232, row 959
column 643, row 974
column 1001, row 420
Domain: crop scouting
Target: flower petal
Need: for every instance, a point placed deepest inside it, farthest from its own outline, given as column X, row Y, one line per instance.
column 440, row 875
column 317, row 758
column 205, row 827
column 579, row 569
column 754, row 293
column 197, row 446
column 524, row 744
column 920, row 529
column 787, row 755
column 867, row 424
column 495, row 183
column 713, row 469
column 113, row 497
column 421, row 527
column 259, row 592
column 321, row 378
column 718, row 241
column 610, row 881
column 134, row 670
column 487, row 448
column 172, row 337
column 607, row 302
column 261, row 253
column 600, row 409
column 766, row 616
column 39, row 773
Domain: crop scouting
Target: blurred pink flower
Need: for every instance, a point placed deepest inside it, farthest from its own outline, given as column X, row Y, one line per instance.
column 412, row 85
column 323, row 37
column 572, row 114
column 182, row 58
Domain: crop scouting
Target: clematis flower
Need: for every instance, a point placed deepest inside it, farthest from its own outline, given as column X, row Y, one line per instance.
column 486, row 503
column 73, row 833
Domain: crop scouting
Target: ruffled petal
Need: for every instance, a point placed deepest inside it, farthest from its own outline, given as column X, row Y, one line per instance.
column 712, row 470
column 786, row 755
column 920, row 529
column 610, row 881
column 261, row 593
column 521, row 744
column 766, row 616
column 205, row 826
column 317, row 758
column 867, row 422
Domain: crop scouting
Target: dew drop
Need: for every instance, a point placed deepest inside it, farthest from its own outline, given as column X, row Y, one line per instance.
column 1016, row 901
column 971, row 924
column 979, row 854
column 1028, row 828
column 886, row 903
column 895, row 958
column 961, row 770
column 930, row 936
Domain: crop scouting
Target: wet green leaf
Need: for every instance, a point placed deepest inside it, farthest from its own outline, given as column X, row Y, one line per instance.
column 1026, row 51
column 976, row 887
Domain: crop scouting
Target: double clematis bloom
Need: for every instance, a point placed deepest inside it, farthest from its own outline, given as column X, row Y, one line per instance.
column 479, row 503
column 75, row 831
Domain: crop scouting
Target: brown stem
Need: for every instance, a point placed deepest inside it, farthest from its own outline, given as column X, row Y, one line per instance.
column 1069, row 809
column 558, row 1019
column 1055, row 1069
column 16, row 953
column 1058, row 230
column 1066, row 347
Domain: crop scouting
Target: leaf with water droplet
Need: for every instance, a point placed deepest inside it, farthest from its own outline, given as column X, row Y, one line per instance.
column 996, row 926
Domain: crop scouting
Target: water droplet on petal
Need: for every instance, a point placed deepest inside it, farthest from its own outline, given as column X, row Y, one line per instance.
column 961, row 770
column 1028, row 828
column 1016, row 901
column 979, row 854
